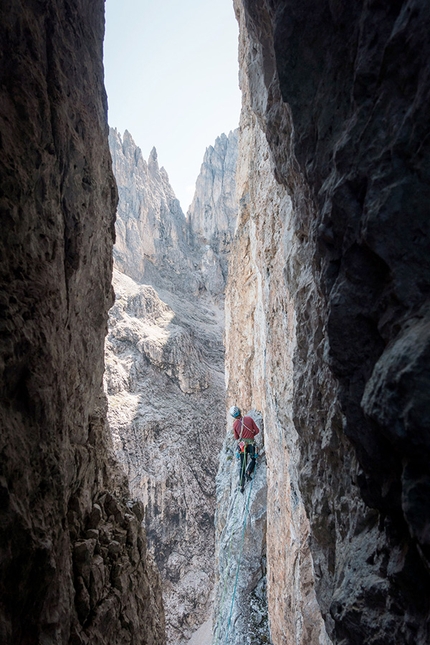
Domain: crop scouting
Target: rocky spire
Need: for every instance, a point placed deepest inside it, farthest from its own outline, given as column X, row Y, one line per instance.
column 150, row 229
column 213, row 211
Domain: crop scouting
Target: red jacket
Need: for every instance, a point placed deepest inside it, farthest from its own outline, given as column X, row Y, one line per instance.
column 250, row 428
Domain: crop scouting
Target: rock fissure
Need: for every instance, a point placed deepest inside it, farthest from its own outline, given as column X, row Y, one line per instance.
column 316, row 215
column 165, row 362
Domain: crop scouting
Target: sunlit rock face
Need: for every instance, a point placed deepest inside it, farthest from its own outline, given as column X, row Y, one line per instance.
column 268, row 280
column 327, row 328
column 213, row 212
column 73, row 559
column 150, row 227
column 165, row 379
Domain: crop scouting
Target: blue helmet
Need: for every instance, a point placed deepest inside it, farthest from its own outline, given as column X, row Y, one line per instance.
column 235, row 412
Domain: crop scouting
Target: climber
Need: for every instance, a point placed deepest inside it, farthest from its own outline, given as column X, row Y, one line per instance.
column 244, row 429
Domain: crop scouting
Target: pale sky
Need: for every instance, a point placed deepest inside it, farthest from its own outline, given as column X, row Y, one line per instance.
column 171, row 75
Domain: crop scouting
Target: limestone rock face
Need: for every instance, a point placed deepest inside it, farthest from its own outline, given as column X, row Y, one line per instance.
column 165, row 379
column 155, row 244
column 269, row 280
column 240, row 608
column 213, row 211
column 74, row 566
column 150, row 227
column 327, row 306
column 165, row 385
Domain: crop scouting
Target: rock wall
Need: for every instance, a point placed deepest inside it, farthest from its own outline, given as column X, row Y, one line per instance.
column 240, row 607
column 165, row 386
column 74, row 565
column 155, row 243
column 327, row 311
column 213, row 211
column 165, row 372
column 212, row 216
column 151, row 234
column 267, row 281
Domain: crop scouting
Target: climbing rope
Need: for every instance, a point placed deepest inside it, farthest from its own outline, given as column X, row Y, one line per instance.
column 238, row 564
column 240, row 554
column 228, row 561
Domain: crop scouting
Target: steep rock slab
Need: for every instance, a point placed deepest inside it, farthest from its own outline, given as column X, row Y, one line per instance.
column 213, row 211
column 268, row 282
column 165, row 378
column 74, row 567
column 356, row 78
column 212, row 216
column 240, row 607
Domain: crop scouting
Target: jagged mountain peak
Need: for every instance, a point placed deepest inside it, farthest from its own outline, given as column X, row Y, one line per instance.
column 153, row 156
column 223, row 140
column 127, row 137
column 125, row 151
column 155, row 242
column 151, row 227
column 213, row 211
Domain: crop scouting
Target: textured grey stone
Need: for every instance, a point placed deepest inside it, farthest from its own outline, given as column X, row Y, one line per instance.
column 213, row 211
column 57, row 202
column 164, row 367
column 330, row 270
column 240, row 609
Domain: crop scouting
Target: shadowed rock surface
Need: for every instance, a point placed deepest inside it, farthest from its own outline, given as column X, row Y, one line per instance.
column 327, row 326
column 73, row 560
column 165, row 366
column 327, row 306
column 241, row 614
